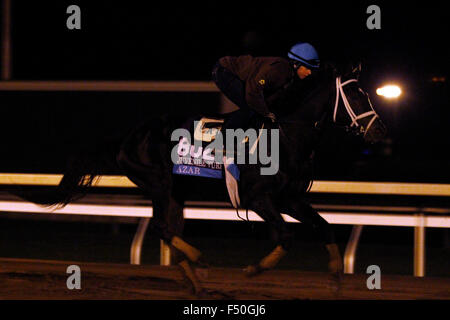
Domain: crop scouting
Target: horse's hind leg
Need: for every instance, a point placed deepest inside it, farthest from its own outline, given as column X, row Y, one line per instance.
column 174, row 222
column 303, row 212
column 265, row 208
column 168, row 224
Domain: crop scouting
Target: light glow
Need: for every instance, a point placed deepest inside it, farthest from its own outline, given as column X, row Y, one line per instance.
column 389, row 91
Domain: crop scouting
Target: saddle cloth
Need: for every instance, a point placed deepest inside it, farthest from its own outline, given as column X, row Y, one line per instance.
column 198, row 160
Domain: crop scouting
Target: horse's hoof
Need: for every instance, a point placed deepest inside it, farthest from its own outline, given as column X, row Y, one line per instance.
column 201, row 267
column 191, row 277
column 202, row 273
column 201, row 294
column 253, row 270
column 201, row 262
column 195, row 288
column 190, row 287
column 335, row 281
column 335, row 266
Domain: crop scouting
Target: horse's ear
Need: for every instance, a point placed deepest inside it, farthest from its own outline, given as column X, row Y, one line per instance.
column 356, row 69
column 351, row 70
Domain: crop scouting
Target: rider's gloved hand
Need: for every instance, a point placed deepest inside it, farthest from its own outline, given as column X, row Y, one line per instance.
column 271, row 116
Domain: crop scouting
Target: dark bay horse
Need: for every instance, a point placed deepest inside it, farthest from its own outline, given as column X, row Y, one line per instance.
column 145, row 158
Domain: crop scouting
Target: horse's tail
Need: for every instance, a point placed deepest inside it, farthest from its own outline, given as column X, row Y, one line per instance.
column 81, row 170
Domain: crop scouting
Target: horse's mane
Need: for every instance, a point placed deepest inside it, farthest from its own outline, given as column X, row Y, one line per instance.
column 305, row 92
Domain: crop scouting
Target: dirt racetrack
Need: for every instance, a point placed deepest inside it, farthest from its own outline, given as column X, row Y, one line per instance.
column 39, row 279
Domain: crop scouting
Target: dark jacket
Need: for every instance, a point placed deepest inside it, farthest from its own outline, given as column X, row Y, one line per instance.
column 265, row 79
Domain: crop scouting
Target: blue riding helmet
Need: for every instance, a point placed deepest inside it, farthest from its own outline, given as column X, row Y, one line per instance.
column 306, row 54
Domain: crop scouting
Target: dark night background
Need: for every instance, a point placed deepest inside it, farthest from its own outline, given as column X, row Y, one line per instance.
column 137, row 40
column 134, row 40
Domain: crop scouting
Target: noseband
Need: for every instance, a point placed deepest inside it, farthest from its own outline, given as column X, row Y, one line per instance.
column 340, row 92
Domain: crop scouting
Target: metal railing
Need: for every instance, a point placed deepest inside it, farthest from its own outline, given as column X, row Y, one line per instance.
column 354, row 187
column 417, row 217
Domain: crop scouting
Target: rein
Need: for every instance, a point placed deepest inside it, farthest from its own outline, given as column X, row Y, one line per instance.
column 340, row 95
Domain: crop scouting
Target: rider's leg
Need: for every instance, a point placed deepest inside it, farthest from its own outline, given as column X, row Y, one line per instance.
column 234, row 89
column 230, row 85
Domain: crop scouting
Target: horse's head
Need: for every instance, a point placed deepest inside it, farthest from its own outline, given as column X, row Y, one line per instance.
column 353, row 109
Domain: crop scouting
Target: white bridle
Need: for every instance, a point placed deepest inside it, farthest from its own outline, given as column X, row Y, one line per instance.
column 350, row 112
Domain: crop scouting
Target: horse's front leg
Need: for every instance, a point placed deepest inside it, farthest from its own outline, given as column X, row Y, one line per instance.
column 265, row 208
column 304, row 212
